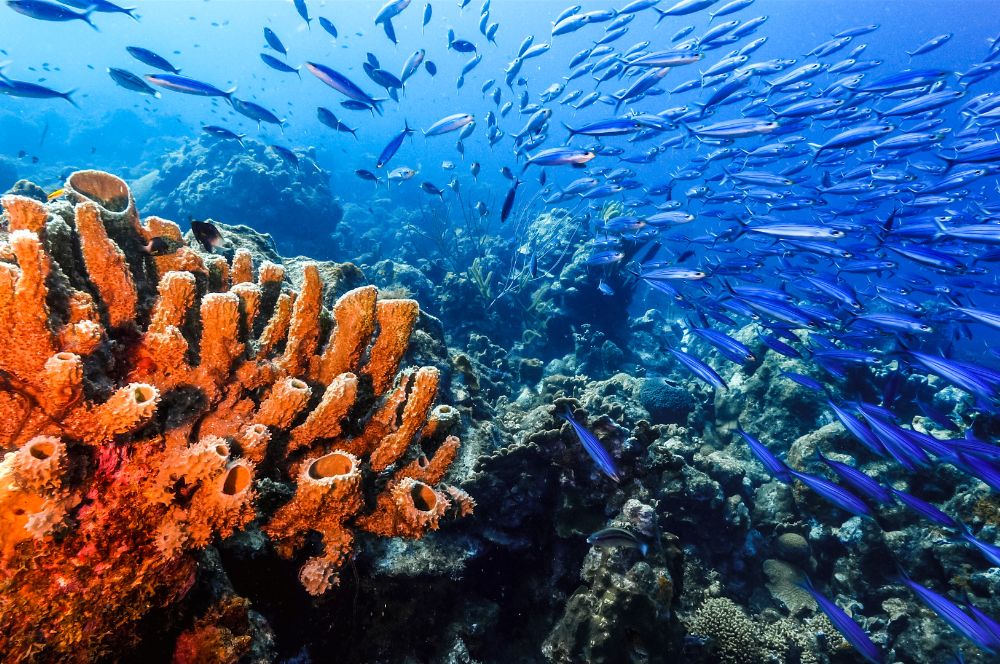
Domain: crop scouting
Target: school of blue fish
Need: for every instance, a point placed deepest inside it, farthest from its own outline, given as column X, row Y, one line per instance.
column 870, row 193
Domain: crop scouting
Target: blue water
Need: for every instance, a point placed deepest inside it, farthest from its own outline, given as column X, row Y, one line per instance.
column 219, row 42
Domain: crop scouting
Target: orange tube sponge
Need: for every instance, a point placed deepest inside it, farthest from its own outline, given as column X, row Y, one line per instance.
column 25, row 314
column 327, row 494
column 395, row 323
column 277, row 327
column 38, row 465
column 303, row 329
column 285, row 401
column 432, row 471
column 418, row 404
column 253, row 442
column 325, row 419
column 26, row 214
column 127, row 408
column 63, row 381
column 242, row 271
column 176, row 297
column 409, row 508
column 106, row 266
column 220, row 324
column 354, row 318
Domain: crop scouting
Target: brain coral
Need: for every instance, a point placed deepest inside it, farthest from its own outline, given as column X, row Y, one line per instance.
column 143, row 389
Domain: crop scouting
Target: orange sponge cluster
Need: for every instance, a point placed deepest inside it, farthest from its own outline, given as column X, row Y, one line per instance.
column 140, row 394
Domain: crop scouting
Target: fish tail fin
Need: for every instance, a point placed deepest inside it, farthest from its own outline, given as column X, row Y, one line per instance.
column 130, row 11
column 85, row 16
column 68, row 96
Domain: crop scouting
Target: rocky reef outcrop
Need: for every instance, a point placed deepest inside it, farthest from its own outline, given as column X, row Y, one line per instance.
column 249, row 184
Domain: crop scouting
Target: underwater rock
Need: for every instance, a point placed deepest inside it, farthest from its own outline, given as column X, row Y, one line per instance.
column 622, row 611
column 219, row 179
column 766, row 404
column 666, row 404
column 737, row 638
column 28, row 189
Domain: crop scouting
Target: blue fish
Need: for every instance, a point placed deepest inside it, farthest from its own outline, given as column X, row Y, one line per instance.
column 848, row 628
column 952, row 614
column 50, row 11
column 775, row 466
column 837, row 495
column 858, row 480
column 699, row 369
column 593, row 447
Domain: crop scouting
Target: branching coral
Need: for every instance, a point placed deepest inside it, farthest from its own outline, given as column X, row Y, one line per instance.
column 140, row 395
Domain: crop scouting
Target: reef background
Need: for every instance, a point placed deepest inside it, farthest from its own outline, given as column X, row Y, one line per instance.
column 517, row 581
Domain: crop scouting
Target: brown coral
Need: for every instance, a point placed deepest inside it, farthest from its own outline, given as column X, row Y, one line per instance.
column 138, row 394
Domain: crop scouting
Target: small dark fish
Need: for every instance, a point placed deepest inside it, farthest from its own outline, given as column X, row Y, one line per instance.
column 390, row 31
column 9, row 86
column 255, row 112
column 393, row 146
column 430, row 67
column 223, row 133
column 508, row 201
column 327, row 117
column 188, row 86
column 432, row 189
column 278, row 65
column 462, row 46
column 300, row 7
column 367, row 175
column 925, row 509
column 610, row 538
column 699, row 369
column 804, row 381
column 837, row 495
column 954, row 616
column 102, row 6
column 328, row 26
column 286, row 154
column 130, row 81
column 273, row 41
column 859, row 480
column 157, row 247
column 147, row 57
column 206, row 234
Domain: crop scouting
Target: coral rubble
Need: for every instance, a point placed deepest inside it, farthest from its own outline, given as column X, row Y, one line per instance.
column 145, row 392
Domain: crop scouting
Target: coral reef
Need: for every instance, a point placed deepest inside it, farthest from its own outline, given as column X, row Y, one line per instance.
column 221, row 180
column 145, row 395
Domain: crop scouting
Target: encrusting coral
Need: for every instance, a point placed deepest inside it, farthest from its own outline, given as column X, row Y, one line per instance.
column 141, row 391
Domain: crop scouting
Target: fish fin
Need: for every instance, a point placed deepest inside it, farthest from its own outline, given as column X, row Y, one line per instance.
column 68, row 97
column 86, row 18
